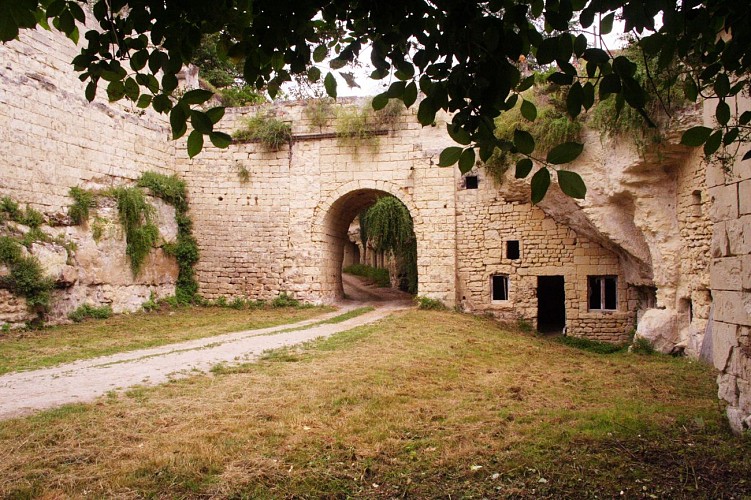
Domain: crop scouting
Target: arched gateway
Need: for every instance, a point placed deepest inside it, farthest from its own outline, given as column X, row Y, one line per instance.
column 333, row 218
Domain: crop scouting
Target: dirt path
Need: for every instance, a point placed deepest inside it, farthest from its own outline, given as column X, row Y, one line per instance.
column 360, row 290
column 25, row 392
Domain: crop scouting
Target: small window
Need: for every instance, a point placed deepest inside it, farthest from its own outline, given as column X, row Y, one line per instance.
column 500, row 287
column 512, row 249
column 470, row 182
column 603, row 293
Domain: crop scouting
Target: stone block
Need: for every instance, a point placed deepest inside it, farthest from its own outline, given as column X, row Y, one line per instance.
column 733, row 307
column 724, row 202
column 727, row 274
column 724, row 339
column 744, row 197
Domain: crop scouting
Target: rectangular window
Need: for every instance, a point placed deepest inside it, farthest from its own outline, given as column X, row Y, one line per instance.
column 470, row 182
column 512, row 249
column 603, row 293
column 500, row 287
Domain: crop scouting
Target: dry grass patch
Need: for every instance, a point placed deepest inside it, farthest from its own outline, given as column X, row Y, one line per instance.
column 423, row 404
column 30, row 349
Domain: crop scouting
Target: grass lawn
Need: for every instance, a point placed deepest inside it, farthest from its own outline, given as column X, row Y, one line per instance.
column 423, row 404
column 31, row 349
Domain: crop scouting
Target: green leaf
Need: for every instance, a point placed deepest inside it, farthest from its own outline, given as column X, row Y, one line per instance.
column 695, row 136
column 178, row 121
column 722, row 85
column 337, row 63
column 540, row 184
column 713, row 143
column 690, row 89
column 449, row 156
column 575, row 100
column 220, row 139
column 524, row 141
column 747, row 155
column 572, row 184
column 195, row 143
column 565, row 153
column 523, row 168
column 115, row 91
column 330, row 84
column 610, row 84
column 8, row 27
column 529, row 110
column 215, row 114
column 458, row 134
column 197, row 96
column 139, row 59
column 91, row 91
column 606, row 25
column 426, row 112
column 547, row 51
column 588, row 95
column 320, row 52
column 597, row 56
column 132, row 90
column 380, row 101
column 201, row 121
column 580, row 45
column 410, row 94
column 467, row 160
column 144, row 101
column 722, row 113
column 314, row 74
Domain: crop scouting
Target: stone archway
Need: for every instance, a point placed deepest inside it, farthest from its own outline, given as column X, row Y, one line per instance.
column 331, row 223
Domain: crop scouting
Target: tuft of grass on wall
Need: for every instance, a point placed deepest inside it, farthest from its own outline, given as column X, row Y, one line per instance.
column 83, row 200
column 141, row 234
column 271, row 132
column 353, row 128
column 88, row 311
column 319, row 112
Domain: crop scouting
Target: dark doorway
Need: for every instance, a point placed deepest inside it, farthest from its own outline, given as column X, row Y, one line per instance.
column 551, row 304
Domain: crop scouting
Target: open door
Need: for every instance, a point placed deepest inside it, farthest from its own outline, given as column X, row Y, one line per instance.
column 551, row 304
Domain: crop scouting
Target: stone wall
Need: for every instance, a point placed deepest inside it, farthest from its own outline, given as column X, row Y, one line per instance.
column 52, row 139
column 730, row 191
column 284, row 228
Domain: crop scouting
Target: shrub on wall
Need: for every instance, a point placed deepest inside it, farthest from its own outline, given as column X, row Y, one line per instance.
column 83, row 200
column 141, row 234
column 270, row 132
column 172, row 190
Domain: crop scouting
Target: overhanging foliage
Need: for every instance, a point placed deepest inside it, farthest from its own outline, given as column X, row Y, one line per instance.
column 463, row 56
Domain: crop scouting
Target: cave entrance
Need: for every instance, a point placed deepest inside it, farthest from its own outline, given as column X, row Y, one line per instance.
column 551, row 304
column 344, row 247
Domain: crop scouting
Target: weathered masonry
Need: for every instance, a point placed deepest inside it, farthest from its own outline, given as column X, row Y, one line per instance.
column 660, row 244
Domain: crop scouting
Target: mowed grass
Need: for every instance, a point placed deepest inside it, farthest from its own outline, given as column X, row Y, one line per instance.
column 31, row 349
column 423, row 404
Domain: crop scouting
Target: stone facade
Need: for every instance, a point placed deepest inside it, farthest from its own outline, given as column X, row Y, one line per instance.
column 730, row 192
column 646, row 227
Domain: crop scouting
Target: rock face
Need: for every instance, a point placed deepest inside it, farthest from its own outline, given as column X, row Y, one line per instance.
column 89, row 266
column 658, row 327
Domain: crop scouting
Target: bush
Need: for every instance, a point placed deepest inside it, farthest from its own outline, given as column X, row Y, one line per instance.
column 169, row 188
column 83, row 200
column 270, row 132
column 284, row 300
column 642, row 346
column 239, row 95
column 429, row 304
column 10, row 250
column 592, row 345
column 86, row 311
column 378, row 276
column 28, row 280
column 151, row 304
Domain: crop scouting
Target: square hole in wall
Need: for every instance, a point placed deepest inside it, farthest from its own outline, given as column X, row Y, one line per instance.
column 499, row 285
column 471, row 182
column 513, row 249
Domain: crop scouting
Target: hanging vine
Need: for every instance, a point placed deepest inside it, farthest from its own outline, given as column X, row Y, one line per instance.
column 390, row 229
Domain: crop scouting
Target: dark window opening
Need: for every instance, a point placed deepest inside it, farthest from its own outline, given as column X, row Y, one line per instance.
column 551, row 304
column 500, row 287
column 471, row 182
column 512, row 249
column 603, row 293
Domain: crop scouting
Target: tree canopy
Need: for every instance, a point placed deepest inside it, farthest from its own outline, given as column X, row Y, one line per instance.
column 463, row 56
